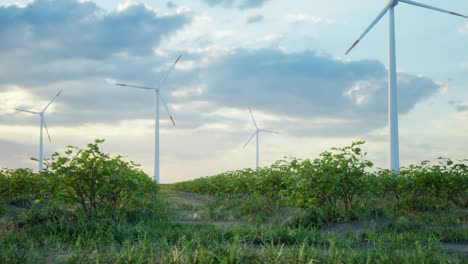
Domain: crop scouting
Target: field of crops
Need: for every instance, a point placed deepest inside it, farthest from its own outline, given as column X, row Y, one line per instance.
column 89, row 207
column 340, row 185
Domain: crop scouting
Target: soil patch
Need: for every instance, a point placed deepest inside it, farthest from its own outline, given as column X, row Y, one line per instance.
column 185, row 198
column 461, row 248
column 356, row 227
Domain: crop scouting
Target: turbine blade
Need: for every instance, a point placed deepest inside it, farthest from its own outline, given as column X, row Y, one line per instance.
column 376, row 20
column 163, row 79
column 26, row 111
column 253, row 119
column 46, row 129
column 269, row 131
column 167, row 108
column 250, row 139
column 432, row 8
column 135, row 86
column 51, row 101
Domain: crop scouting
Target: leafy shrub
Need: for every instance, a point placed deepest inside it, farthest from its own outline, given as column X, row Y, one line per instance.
column 386, row 184
column 96, row 180
column 436, row 186
column 334, row 179
column 327, row 185
column 338, row 185
column 20, row 186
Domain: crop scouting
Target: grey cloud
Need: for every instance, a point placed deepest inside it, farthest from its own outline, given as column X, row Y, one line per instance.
column 225, row 3
column 326, row 96
column 53, row 45
column 68, row 28
column 309, row 86
column 254, row 19
column 459, row 106
column 242, row 5
column 248, row 4
column 171, row 5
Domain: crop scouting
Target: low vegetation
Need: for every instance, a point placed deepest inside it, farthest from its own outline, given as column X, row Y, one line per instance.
column 340, row 186
column 90, row 207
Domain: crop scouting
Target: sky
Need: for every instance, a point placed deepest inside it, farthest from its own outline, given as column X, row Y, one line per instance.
column 284, row 59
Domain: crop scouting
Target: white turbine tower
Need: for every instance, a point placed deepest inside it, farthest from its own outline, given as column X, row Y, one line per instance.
column 392, row 76
column 256, row 133
column 156, row 127
column 43, row 124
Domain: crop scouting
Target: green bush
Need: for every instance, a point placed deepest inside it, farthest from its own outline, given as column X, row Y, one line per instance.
column 339, row 185
column 20, row 186
column 334, row 179
column 427, row 187
column 95, row 180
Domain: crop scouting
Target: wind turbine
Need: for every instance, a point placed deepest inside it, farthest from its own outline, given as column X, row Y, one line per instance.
column 156, row 127
column 256, row 133
column 392, row 75
column 43, row 124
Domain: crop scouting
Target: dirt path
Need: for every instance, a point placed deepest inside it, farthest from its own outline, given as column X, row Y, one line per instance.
column 461, row 248
column 194, row 208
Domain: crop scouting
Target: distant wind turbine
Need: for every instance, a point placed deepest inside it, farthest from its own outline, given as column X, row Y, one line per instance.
column 43, row 124
column 256, row 133
column 156, row 132
column 392, row 76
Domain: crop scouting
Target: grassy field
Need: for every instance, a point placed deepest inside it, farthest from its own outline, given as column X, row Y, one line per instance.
column 192, row 228
column 92, row 208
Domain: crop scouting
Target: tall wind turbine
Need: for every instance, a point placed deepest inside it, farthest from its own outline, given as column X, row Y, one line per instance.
column 43, row 125
column 156, row 127
column 392, row 75
column 256, row 133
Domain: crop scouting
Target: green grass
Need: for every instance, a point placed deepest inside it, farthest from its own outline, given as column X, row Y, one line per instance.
column 50, row 235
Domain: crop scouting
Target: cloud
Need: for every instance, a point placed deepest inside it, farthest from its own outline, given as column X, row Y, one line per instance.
column 302, row 18
column 224, row 3
column 248, row 4
column 459, row 106
column 171, row 5
column 73, row 46
column 255, row 18
column 242, row 5
column 68, row 28
column 463, row 29
column 307, row 93
column 336, row 97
